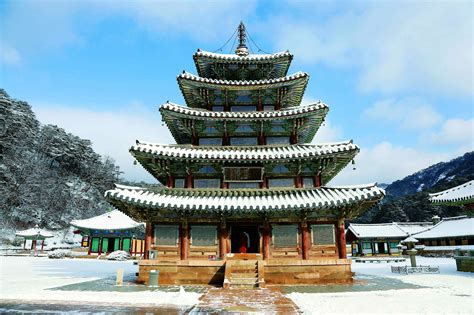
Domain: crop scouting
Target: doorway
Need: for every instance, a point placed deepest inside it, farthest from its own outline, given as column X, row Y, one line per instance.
column 381, row 247
column 244, row 239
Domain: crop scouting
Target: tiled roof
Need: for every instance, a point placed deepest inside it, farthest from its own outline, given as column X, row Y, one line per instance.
column 240, row 153
column 382, row 230
column 449, row 227
column 192, row 77
column 292, row 112
column 35, row 232
column 246, row 200
column 250, row 57
column 113, row 220
column 458, row 194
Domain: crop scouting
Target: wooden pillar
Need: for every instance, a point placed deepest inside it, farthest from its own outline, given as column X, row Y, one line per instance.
column 33, row 244
column 317, row 179
column 100, row 246
column 189, row 181
column 293, row 138
column 259, row 105
column 184, row 240
column 148, row 239
column 90, row 245
column 223, row 235
column 264, row 183
column 305, row 240
column 170, row 181
column 24, row 244
column 342, row 239
column 298, row 182
column 266, row 240
column 261, row 139
column 224, row 185
column 42, row 245
column 225, row 139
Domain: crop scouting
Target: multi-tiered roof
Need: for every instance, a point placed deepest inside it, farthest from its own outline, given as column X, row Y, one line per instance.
column 243, row 145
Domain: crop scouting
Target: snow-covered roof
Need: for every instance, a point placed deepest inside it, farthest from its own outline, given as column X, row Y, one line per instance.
column 460, row 194
column 239, row 153
column 414, row 227
column 323, row 199
column 35, row 233
column 449, row 227
column 191, row 77
column 378, row 230
column 410, row 239
column 113, row 220
column 249, row 57
column 292, row 112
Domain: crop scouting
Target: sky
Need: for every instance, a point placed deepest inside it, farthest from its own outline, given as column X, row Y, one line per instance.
column 396, row 75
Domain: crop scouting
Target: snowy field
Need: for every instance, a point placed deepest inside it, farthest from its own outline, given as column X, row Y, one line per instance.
column 32, row 278
column 449, row 292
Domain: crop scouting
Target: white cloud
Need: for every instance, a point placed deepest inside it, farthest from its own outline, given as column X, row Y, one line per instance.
column 111, row 133
column 456, row 131
column 395, row 46
column 385, row 163
column 407, row 113
column 9, row 56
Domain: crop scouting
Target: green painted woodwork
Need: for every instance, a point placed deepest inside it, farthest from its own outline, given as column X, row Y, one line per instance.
column 117, row 243
column 105, row 244
column 126, row 242
column 95, row 244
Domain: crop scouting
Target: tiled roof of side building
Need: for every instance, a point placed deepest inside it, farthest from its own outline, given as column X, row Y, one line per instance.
column 247, row 200
column 113, row 220
column 458, row 194
column 377, row 230
column 449, row 227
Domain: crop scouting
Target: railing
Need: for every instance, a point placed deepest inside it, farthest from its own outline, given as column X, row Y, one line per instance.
column 418, row 269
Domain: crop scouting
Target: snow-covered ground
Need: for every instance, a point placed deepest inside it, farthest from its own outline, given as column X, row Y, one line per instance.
column 449, row 292
column 29, row 278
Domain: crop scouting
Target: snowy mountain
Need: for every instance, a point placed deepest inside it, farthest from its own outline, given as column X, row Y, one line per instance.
column 47, row 176
column 407, row 199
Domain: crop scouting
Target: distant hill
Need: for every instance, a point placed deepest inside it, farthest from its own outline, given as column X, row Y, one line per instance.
column 407, row 199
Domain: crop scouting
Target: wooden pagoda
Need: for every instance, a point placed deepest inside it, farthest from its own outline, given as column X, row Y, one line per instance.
column 244, row 200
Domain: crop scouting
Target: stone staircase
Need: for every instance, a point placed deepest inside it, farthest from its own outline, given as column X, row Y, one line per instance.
column 243, row 274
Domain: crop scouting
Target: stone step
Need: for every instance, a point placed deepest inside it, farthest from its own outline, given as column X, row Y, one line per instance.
column 243, row 286
column 244, row 275
column 243, row 281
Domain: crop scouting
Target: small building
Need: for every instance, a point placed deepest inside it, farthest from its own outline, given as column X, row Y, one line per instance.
column 34, row 235
column 456, row 231
column 459, row 195
column 381, row 238
column 109, row 232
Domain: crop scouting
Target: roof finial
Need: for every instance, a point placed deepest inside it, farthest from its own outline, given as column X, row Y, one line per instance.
column 242, row 49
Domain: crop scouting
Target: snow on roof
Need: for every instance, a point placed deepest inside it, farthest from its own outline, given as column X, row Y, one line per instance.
column 449, row 227
column 192, row 77
column 410, row 239
column 297, row 151
column 35, row 232
column 252, row 115
column 250, row 57
column 378, row 230
column 113, row 220
column 459, row 193
column 245, row 200
column 414, row 227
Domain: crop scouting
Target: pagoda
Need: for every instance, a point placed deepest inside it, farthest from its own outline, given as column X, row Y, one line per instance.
column 244, row 199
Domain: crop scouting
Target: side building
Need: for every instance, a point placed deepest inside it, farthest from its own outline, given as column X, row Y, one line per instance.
column 244, row 193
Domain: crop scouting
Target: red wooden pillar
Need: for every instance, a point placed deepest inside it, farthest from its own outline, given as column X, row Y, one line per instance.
column 263, row 184
column 266, row 240
column 223, row 241
column 305, row 239
column 342, row 239
column 259, row 105
column 317, row 179
column 293, row 138
column 225, row 139
column 148, row 237
column 170, row 181
column 298, row 182
column 100, row 245
column 189, row 181
column 33, row 244
column 184, row 241
column 89, row 238
column 42, row 245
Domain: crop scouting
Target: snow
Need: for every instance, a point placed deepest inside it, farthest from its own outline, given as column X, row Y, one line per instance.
column 377, row 230
column 450, row 292
column 29, row 278
column 113, row 220
column 35, row 232
column 449, row 227
column 458, row 193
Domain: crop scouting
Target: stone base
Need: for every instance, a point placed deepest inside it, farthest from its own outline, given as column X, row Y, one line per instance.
column 276, row 271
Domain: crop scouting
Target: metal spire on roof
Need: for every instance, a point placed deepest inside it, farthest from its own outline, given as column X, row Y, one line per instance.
column 242, row 49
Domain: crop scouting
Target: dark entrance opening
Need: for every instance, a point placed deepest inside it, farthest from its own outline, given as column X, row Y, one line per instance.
column 244, row 239
column 381, row 247
column 111, row 245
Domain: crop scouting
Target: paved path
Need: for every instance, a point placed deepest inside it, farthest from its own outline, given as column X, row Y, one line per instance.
column 238, row 301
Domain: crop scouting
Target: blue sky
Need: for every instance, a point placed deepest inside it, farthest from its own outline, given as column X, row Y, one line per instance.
column 397, row 76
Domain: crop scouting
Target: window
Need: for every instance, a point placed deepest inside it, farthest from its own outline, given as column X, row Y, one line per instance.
column 281, row 182
column 323, row 234
column 237, row 185
column 207, row 183
column 366, row 248
column 166, row 235
column 217, row 108
column 278, row 140
column 179, row 183
column 206, row 170
column 280, row 169
column 238, row 174
column 210, row 141
column 285, row 235
column 308, row 182
column 243, row 108
column 203, row 235
column 243, row 141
